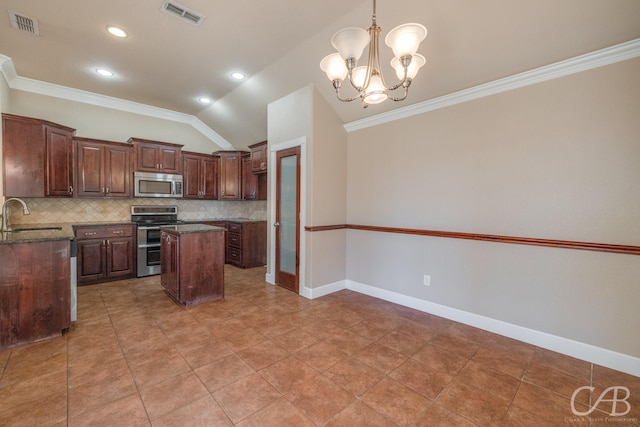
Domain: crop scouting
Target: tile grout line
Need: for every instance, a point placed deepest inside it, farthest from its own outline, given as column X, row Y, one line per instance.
column 67, row 378
column 124, row 355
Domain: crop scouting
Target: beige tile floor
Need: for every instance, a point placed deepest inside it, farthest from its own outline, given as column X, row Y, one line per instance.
column 267, row 357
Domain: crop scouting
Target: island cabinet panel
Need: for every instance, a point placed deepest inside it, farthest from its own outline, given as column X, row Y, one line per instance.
column 103, row 168
column 156, row 156
column 37, row 157
column 169, row 256
column 192, row 264
column 35, row 296
column 105, row 253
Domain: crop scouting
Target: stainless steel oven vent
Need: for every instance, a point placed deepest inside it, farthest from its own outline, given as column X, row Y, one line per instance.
column 178, row 10
column 24, row 23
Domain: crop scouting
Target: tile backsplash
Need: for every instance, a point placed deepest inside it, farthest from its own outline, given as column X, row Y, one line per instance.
column 63, row 210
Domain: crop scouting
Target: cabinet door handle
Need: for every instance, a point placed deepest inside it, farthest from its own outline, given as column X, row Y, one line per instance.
column 90, row 234
column 71, row 189
column 276, row 224
column 107, row 190
column 117, row 231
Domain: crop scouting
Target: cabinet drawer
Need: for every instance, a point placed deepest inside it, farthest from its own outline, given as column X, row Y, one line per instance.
column 104, row 232
column 235, row 240
column 234, row 255
column 235, row 227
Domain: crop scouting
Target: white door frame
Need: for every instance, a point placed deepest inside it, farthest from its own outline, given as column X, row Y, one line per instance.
column 271, row 261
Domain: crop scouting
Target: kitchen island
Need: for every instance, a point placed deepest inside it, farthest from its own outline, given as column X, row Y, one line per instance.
column 192, row 260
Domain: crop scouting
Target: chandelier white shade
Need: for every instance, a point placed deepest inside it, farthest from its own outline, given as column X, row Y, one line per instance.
column 367, row 80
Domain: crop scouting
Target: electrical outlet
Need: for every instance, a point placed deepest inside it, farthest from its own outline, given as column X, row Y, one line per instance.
column 426, row 280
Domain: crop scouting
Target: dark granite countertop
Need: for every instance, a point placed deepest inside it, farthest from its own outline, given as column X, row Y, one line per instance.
column 25, row 233
column 29, row 233
column 195, row 221
column 192, row 228
column 99, row 223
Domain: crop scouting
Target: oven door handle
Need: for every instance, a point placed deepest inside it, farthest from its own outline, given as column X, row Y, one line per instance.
column 153, row 245
column 152, row 227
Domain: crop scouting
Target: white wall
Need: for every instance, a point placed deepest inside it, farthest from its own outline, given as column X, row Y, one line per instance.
column 304, row 115
column 557, row 160
column 289, row 119
column 328, row 202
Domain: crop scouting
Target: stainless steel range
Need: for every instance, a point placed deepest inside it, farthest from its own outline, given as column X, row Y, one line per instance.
column 149, row 219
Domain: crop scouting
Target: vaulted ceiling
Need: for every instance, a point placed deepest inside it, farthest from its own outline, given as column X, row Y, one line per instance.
column 168, row 63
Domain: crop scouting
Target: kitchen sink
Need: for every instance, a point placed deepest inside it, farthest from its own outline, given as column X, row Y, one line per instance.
column 20, row 230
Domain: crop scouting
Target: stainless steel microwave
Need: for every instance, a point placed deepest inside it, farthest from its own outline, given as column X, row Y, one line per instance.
column 149, row 184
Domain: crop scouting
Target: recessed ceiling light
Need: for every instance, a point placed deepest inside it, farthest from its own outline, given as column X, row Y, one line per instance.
column 238, row 75
column 118, row 32
column 204, row 100
column 105, row 73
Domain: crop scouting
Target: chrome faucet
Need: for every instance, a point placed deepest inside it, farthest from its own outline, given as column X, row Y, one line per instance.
column 5, row 222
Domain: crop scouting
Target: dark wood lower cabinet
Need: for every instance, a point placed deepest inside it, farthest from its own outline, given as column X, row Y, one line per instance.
column 35, row 295
column 192, row 263
column 105, row 253
column 246, row 242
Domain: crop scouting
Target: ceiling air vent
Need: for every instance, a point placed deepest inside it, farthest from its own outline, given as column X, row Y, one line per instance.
column 24, row 23
column 176, row 9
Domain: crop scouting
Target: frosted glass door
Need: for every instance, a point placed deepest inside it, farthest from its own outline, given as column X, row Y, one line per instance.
column 287, row 217
column 288, row 232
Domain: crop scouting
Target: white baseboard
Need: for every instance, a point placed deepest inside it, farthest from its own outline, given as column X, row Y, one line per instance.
column 321, row 291
column 270, row 278
column 600, row 356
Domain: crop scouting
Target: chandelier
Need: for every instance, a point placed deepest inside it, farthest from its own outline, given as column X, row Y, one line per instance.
column 368, row 80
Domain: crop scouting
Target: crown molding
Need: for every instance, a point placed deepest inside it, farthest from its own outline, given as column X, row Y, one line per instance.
column 598, row 58
column 70, row 94
column 7, row 69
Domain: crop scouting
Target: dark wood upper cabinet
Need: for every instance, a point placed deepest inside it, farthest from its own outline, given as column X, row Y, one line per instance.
column 230, row 176
column 103, row 168
column 156, row 156
column 249, row 180
column 200, row 174
column 254, row 186
column 37, row 157
column 60, row 170
column 259, row 160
